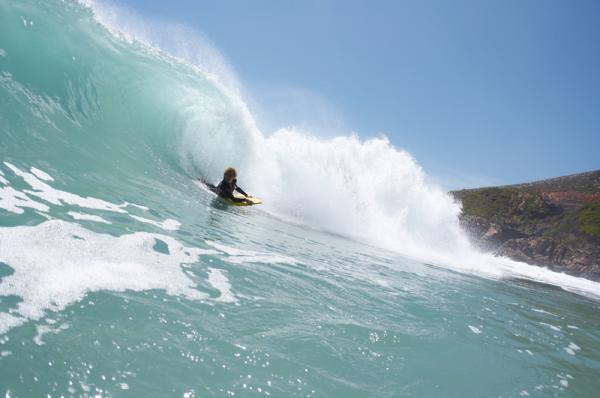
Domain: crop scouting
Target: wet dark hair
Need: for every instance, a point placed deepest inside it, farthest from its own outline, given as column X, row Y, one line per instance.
column 229, row 171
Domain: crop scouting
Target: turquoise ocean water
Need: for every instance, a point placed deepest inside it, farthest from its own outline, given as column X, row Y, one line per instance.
column 119, row 276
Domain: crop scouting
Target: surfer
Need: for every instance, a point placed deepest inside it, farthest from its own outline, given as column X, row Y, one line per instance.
column 228, row 185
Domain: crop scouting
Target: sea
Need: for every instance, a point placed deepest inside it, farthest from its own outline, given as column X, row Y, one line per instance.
column 122, row 276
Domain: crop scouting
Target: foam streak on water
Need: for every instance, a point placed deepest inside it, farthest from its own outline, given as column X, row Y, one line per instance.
column 57, row 263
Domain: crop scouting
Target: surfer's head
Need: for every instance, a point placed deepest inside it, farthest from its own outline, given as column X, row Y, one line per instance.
column 230, row 174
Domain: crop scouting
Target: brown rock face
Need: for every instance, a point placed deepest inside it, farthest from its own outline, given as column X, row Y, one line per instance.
column 553, row 254
column 488, row 235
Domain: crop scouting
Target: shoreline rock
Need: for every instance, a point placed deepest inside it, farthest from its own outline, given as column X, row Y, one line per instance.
column 552, row 223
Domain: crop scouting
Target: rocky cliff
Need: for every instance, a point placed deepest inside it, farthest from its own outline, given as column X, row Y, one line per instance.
column 553, row 223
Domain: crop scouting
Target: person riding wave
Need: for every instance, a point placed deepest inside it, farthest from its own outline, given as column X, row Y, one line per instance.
column 228, row 186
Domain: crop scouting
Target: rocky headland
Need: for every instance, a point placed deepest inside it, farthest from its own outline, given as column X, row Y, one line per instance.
column 553, row 223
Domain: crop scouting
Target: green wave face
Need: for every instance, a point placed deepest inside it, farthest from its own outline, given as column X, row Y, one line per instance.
column 69, row 87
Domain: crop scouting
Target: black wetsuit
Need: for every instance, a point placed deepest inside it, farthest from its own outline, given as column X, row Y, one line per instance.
column 225, row 190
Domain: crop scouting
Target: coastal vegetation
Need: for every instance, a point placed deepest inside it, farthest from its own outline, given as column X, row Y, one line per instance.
column 553, row 223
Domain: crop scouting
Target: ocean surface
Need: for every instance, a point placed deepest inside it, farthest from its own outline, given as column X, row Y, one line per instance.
column 120, row 276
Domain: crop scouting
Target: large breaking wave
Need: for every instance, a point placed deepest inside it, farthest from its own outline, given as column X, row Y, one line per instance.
column 112, row 92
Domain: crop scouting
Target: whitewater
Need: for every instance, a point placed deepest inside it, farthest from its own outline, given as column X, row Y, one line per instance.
column 121, row 276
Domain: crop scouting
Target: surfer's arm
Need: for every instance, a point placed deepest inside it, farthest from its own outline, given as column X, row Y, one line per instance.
column 234, row 199
column 210, row 186
column 240, row 190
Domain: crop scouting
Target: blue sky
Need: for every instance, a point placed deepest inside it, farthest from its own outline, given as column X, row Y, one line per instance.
column 480, row 92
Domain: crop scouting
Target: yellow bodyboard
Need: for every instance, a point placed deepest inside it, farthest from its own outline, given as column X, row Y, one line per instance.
column 255, row 201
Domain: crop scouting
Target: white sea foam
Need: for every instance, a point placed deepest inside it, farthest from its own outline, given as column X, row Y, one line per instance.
column 232, row 251
column 572, row 348
column 14, row 201
column 555, row 328
column 59, row 197
column 45, row 329
column 56, row 263
column 542, row 311
column 239, row 256
column 126, row 204
column 474, row 329
column 87, row 217
column 2, row 179
column 2, row 52
column 42, row 175
column 219, row 281
column 167, row 225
